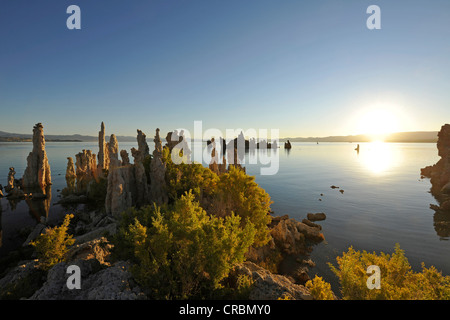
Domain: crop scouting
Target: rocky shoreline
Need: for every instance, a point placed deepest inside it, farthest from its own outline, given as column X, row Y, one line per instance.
column 128, row 185
column 104, row 278
column 439, row 175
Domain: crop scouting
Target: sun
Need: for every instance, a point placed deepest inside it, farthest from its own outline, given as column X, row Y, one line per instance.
column 378, row 123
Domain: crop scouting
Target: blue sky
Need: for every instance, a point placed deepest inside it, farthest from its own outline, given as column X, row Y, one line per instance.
column 308, row 68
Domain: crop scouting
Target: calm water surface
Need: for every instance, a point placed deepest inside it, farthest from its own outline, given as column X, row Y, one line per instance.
column 384, row 200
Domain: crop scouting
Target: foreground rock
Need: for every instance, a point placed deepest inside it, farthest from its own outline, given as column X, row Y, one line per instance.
column 269, row 286
column 99, row 279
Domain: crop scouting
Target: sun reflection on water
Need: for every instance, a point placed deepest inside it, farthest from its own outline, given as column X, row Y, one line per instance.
column 379, row 157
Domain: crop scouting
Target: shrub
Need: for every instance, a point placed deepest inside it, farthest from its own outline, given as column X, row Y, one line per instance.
column 52, row 246
column 238, row 193
column 320, row 289
column 398, row 280
column 180, row 251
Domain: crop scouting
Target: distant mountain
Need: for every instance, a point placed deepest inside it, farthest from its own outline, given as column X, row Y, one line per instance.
column 418, row 136
column 7, row 136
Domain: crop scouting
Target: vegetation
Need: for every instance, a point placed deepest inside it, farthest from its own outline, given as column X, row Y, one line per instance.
column 233, row 192
column 179, row 251
column 398, row 280
column 320, row 289
column 52, row 246
column 97, row 189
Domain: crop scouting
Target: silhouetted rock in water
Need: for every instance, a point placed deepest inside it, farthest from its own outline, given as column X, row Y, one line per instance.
column 172, row 139
column 316, row 216
column 439, row 173
column 86, row 170
column 37, row 173
column 71, row 175
column 158, row 189
column 357, row 148
column 13, row 187
column 118, row 195
column 214, row 163
column 103, row 151
column 178, row 146
column 287, row 145
column 233, row 160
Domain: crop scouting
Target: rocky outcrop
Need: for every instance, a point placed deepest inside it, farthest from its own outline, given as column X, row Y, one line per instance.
column 125, row 158
column 13, row 188
column 158, row 189
column 99, row 279
column 37, row 173
column 287, row 145
column 288, row 249
column 120, row 182
column 293, row 237
column 439, row 173
column 71, row 175
column 86, row 169
column 316, row 216
column 142, row 144
column 269, row 286
column 141, row 196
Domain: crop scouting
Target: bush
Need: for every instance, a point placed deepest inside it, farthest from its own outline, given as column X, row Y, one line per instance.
column 238, row 193
column 320, row 289
column 398, row 281
column 221, row 195
column 52, row 246
column 180, row 251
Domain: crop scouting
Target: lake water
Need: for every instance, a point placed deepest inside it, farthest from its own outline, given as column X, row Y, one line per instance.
column 384, row 200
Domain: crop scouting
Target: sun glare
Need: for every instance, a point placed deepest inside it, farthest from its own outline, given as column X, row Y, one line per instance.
column 378, row 123
column 379, row 157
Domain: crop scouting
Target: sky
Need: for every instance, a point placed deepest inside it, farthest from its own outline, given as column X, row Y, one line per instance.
column 307, row 68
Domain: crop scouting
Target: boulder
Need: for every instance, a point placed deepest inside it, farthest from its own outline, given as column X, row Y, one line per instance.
column 316, row 216
column 269, row 286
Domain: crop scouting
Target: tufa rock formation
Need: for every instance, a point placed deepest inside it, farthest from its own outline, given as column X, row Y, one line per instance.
column 141, row 196
column 13, row 186
column 37, row 173
column 158, row 189
column 103, row 151
column 86, row 169
column 119, row 194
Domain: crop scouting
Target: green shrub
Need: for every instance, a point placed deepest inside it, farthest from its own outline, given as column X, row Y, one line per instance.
column 52, row 246
column 398, row 280
column 97, row 190
column 320, row 289
column 180, row 251
column 238, row 193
